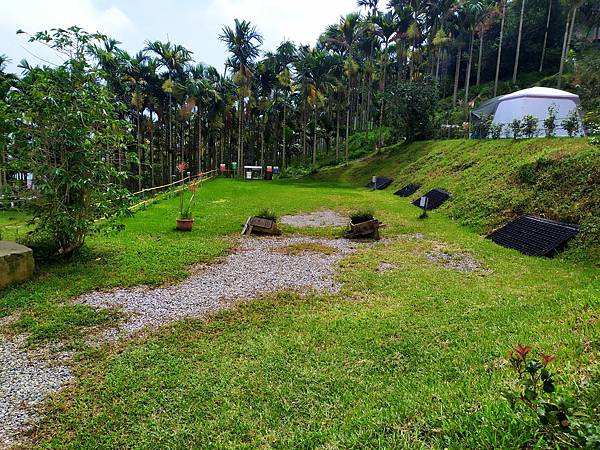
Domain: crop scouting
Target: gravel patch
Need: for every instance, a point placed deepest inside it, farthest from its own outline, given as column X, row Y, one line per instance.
column 316, row 219
column 255, row 268
column 460, row 261
column 25, row 381
column 386, row 267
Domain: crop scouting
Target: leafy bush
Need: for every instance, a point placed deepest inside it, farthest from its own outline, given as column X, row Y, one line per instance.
column 496, row 130
column 515, row 128
column 563, row 419
column 571, row 123
column 70, row 129
column 529, row 126
column 481, row 128
column 550, row 121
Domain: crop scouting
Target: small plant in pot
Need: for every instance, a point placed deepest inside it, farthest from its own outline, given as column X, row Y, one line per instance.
column 185, row 221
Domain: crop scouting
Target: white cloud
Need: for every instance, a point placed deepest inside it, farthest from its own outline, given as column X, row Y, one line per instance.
column 300, row 21
column 34, row 15
column 194, row 24
column 37, row 15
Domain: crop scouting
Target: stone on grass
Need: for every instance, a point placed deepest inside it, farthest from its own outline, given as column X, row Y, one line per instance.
column 16, row 263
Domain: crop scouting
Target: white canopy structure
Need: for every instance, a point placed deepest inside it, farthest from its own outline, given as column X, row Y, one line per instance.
column 535, row 102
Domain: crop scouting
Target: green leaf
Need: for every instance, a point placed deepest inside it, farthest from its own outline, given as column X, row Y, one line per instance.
column 549, row 387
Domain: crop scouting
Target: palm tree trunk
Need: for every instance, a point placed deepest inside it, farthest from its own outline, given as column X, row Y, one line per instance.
column 262, row 144
column 457, row 74
column 151, row 149
column 382, row 99
column 170, row 136
column 200, row 143
column 516, row 68
column 562, row 55
column 139, row 150
column 500, row 48
column 571, row 31
column 347, row 119
column 481, row 34
column 468, row 76
column 337, row 132
column 283, row 161
column 239, row 155
column 546, row 36
column 314, row 154
column 304, row 132
column 2, row 162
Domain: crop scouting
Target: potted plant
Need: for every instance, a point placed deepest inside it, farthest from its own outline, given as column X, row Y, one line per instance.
column 364, row 225
column 185, row 221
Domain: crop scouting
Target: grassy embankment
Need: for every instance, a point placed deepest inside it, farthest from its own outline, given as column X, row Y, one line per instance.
column 493, row 181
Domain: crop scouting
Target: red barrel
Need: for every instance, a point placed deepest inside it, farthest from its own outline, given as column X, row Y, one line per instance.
column 269, row 169
column 222, row 168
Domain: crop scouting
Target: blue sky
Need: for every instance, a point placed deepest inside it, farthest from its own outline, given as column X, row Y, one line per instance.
column 192, row 23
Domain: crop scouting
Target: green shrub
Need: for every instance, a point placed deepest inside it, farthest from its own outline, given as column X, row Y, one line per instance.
column 529, row 126
column 550, row 121
column 515, row 128
column 571, row 123
column 69, row 120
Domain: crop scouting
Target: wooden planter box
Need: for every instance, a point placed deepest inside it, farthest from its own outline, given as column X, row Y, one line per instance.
column 369, row 229
column 258, row 225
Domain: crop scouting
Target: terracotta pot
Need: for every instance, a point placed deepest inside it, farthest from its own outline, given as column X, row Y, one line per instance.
column 185, row 224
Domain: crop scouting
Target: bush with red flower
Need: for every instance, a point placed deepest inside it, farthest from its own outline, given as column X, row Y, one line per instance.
column 186, row 207
column 563, row 419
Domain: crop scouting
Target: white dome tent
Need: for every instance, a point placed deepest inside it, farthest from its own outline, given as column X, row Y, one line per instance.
column 535, row 102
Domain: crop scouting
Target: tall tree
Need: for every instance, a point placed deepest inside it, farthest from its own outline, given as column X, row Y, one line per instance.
column 243, row 41
column 502, row 7
column 520, row 35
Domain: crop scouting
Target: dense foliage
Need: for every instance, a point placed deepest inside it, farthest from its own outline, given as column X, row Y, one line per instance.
column 298, row 102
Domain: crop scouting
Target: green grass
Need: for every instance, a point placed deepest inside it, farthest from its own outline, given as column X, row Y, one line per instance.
column 407, row 358
column 149, row 251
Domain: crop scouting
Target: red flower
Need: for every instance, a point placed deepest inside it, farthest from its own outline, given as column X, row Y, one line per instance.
column 182, row 167
column 547, row 359
column 522, row 351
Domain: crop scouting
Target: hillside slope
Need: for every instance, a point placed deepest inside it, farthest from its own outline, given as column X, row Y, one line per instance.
column 494, row 180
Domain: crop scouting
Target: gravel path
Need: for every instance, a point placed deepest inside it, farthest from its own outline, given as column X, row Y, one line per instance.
column 25, row 381
column 255, row 268
column 325, row 218
column 460, row 261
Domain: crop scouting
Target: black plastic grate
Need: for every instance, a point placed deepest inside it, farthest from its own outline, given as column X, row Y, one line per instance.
column 436, row 198
column 382, row 183
column 408, row 190
column 534, row 236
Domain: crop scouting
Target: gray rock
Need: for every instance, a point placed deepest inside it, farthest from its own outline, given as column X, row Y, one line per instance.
column 16, row 263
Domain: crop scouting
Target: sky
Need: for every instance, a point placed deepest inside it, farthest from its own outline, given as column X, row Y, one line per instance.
column 195, row 24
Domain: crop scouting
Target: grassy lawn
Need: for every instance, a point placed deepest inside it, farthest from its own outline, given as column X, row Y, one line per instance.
column 412, row 357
